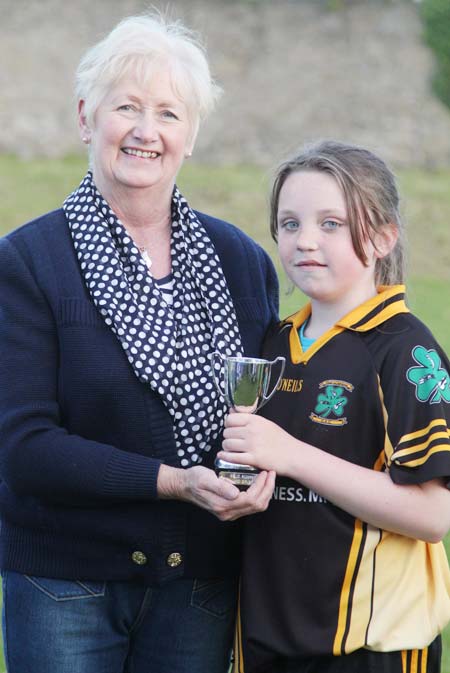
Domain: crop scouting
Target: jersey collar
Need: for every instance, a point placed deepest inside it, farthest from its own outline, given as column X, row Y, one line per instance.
column 389, row 301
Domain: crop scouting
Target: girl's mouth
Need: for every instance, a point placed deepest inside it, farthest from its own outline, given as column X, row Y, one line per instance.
column 309, row 262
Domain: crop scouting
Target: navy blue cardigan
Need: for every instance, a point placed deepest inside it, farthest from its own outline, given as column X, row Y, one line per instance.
column 82, row 439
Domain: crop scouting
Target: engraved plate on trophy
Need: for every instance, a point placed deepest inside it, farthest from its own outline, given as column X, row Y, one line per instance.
column 244, row 384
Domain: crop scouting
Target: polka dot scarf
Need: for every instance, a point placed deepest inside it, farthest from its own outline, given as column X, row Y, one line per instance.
column 169, row 347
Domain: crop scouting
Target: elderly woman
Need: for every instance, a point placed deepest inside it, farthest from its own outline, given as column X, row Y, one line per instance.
column 118, row 549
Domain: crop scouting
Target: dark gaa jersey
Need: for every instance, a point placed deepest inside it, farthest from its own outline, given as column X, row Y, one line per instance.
column 375, row 391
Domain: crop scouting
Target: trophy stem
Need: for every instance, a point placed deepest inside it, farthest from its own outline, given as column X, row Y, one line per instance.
column 240, row 475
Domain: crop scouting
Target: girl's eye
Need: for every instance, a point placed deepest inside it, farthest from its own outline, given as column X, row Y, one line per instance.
column 289, row 225
column 331, row 225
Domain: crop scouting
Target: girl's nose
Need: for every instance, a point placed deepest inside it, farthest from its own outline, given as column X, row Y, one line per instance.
column 306, row 239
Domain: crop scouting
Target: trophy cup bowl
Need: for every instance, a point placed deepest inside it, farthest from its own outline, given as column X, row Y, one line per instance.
column 244, row 385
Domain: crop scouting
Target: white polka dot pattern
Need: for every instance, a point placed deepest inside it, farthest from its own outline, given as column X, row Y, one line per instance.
column 168, row 346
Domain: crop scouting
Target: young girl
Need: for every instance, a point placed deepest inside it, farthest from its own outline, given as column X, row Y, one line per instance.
column 346, row 571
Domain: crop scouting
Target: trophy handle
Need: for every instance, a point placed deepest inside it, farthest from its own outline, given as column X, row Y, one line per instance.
column 282, row 362
column 213, row 359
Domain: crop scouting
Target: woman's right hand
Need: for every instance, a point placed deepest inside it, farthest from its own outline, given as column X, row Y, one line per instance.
column 201, row 486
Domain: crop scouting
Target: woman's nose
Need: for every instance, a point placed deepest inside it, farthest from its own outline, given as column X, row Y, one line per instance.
column 146, row 127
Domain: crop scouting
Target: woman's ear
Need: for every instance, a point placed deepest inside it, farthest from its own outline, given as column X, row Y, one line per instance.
column 385, row 240
column 85, row 132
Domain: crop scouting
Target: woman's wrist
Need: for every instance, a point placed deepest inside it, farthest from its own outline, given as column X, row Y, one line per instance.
column 171, row 483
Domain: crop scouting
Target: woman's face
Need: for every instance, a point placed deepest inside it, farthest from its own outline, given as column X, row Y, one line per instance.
column 139, row 136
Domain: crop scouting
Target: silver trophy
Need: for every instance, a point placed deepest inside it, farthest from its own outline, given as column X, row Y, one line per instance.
column 244, row 384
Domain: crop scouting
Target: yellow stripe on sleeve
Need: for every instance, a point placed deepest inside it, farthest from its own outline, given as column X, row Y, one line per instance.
column 420, row 461
column 414, row 448
column 423, row 431
column 418, row 447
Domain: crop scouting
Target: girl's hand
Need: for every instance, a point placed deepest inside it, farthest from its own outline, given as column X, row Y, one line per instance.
column 253, row 440
column 420, row 511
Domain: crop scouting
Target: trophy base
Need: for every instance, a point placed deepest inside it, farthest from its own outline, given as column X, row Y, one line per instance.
column 242, row 476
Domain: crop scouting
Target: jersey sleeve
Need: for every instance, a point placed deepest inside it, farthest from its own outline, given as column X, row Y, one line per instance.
column 415, row 389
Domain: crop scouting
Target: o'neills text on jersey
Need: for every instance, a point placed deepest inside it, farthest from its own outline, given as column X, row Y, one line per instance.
column 290, row 385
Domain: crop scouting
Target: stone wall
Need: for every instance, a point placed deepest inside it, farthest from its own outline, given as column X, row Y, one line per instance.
column 291, row 70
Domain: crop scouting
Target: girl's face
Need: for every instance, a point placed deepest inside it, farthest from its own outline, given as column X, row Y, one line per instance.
column 315, row 244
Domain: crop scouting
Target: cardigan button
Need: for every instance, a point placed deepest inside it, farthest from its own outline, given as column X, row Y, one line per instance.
column 139, row 558
column 174, row 560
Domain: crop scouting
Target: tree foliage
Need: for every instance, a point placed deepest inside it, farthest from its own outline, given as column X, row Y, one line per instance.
column 436, row 20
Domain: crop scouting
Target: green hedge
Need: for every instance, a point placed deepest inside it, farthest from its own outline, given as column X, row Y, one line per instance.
column 436, row 20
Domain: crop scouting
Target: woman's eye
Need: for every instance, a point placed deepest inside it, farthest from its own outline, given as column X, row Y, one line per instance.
column 168, row 114
column 127, row 107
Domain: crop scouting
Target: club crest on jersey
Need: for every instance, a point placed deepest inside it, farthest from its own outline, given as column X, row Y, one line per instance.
column 330, row 405
column 431, row 380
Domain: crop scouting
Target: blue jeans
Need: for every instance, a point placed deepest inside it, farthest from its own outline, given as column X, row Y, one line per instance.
column 62, row 626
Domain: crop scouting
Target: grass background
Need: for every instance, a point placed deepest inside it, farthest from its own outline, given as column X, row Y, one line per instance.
column 240, row 194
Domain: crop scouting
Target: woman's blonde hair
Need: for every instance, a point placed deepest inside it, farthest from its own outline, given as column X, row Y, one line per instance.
column 370, row 193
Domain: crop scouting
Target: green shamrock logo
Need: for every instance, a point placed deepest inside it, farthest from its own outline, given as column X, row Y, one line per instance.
column 332, row 401
column 431, row 380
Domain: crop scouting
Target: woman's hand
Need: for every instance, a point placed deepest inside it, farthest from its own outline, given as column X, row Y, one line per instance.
column 217, row 495
column 253, row 440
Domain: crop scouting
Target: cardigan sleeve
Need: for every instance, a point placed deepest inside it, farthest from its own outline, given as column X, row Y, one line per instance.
column 38, row 456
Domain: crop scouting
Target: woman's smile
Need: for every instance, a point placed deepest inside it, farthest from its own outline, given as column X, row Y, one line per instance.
column 142, row 154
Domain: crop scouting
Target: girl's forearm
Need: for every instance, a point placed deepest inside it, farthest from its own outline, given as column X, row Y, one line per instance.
column 421, row 511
